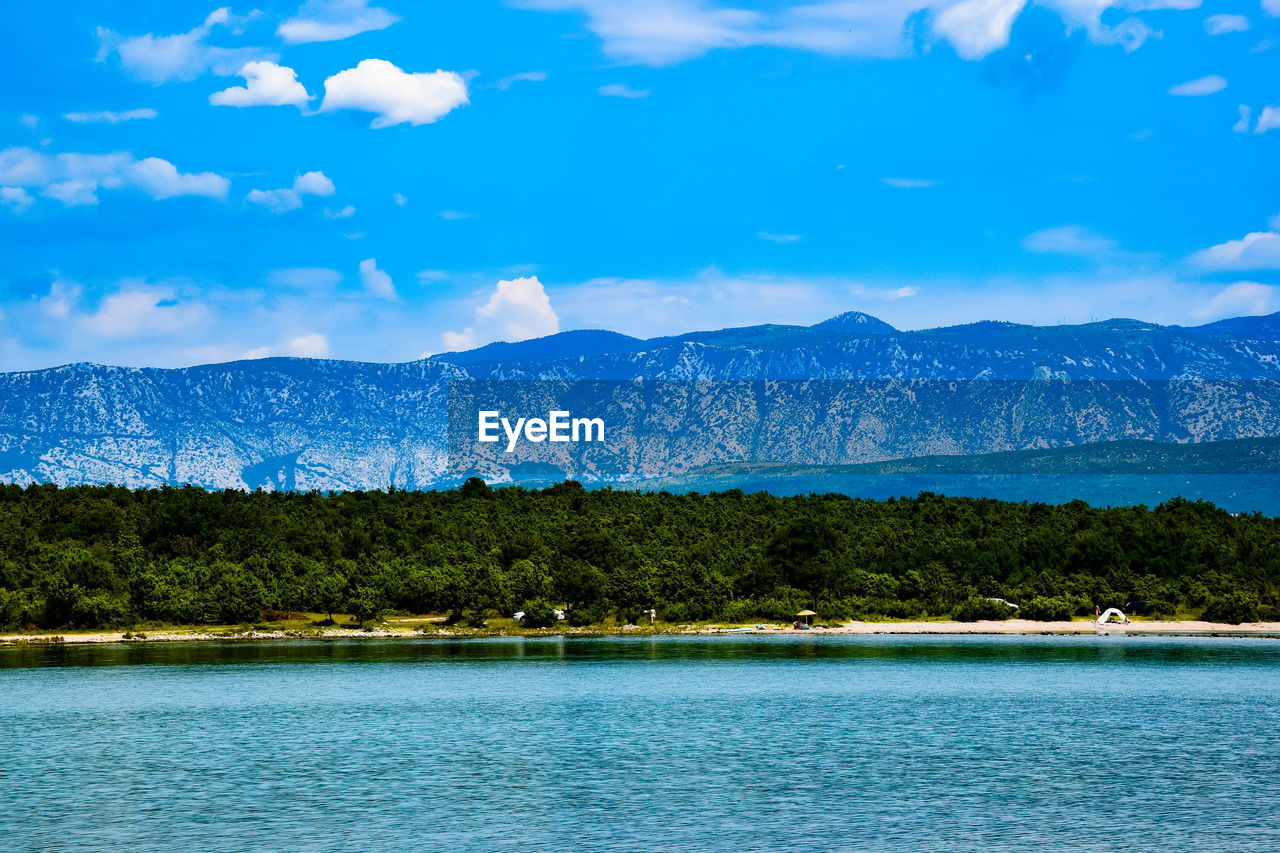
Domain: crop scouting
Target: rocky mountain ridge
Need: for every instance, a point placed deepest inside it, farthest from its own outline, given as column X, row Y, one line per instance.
column 326, row 424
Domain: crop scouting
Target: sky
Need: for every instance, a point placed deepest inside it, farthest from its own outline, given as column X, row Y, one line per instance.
column 384, row 180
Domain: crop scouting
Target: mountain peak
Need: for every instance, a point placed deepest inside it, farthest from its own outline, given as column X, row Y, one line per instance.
column 855, row 323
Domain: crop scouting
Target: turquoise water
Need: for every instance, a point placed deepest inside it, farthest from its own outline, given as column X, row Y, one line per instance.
column 670, row 744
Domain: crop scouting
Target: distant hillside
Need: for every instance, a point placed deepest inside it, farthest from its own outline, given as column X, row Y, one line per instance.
column 1240, row 476
column 846, row 391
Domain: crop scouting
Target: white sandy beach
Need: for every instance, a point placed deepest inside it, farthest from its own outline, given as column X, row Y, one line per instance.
column 1010, row 626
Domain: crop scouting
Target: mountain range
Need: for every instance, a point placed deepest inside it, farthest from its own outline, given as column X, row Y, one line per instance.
column 850, row 390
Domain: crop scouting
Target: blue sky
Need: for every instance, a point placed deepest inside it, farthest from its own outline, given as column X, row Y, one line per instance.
column 376, row 181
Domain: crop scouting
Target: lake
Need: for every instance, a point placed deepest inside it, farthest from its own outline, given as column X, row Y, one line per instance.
column 746, row 743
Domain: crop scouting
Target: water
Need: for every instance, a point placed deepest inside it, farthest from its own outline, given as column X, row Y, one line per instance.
column 744, row 743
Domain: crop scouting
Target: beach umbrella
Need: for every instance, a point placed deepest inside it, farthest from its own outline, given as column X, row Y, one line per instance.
column 807, row 614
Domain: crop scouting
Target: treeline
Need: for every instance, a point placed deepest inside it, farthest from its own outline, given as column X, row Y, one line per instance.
column 90, row 557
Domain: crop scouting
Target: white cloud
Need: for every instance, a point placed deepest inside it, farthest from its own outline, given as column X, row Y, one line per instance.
column 305, row 278
column 977, row 27
column 454, row 215
column 1268, row 119
column 163, row 180
column 184, row 56
column 61, row 300
column 142, row 310
column 1216, row 25
column 109, row 117
column 314, row 345
column 1242, row 299
column 72, row 193
column 376, row 281
column 779, row 238
column 1257, row 251
column 621, row 90
column 75, row 179
column 266, row 84
column 1209, row 85
column 662, row 32
column 1068, row 240
column 396, row 97
column 333, row 20
column 314, row 183
column 1271, row 7
column 517, row 310
column 256, row 353
column 523, row 77
column 29, row 121
column 290, row 198
column 340, row 213
column 15, row 198
column 277, row 201
column 909, row 183
column 400, row 199
column 1242, row 123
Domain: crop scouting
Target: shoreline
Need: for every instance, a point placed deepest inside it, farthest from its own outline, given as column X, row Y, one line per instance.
column 1012, row 627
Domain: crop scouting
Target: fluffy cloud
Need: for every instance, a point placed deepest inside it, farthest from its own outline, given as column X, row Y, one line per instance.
column 1244, row 298
column 1216, row 25
column 15, row 198
column 621, row 90
column 1068, row 240
column 977, row 27
column 314, row 183
column 332, row 20
column 517, row 310
column 376, row 281
column 266, row 84
column 1257, row 251
column 290, row 198
column 109, row 117
column 138, row 309
column 314, row 345
column 184, row 56
column 1268, row 119
column 662, row 32
column 1209, row 85
column 1242, row 123
column 779, row 238
column 396, row 97
column 1271, row 7
column 75, row 179
column 162, row 180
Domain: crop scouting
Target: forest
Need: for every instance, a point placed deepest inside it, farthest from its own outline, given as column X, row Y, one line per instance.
column 107, row 557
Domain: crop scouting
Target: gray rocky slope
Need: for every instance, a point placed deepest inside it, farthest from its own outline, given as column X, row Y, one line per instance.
column 849, row 390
